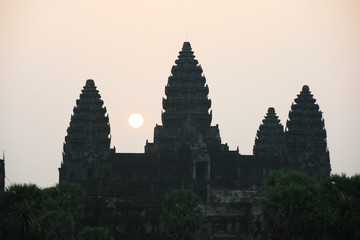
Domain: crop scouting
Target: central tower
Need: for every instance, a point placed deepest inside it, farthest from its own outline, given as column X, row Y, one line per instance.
column 186, row 117
column 185, row 143
column 186, row 95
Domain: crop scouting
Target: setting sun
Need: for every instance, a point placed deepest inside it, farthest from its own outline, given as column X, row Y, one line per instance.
column 136, row 120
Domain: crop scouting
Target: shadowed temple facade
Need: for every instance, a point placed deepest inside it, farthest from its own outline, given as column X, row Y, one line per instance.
column 125, row 190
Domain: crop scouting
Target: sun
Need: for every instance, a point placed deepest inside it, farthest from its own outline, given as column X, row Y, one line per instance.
column 136, row 120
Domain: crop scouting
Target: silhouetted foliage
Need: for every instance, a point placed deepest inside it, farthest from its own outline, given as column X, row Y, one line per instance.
column 22, row 211
column 94, row 233
column 297, row 206
column 68, row 197
column 28, row 212
column 59, row 225
column 181, row 214
column 340, row 207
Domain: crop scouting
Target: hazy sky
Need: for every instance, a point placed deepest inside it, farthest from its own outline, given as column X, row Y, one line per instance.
column 255, row 54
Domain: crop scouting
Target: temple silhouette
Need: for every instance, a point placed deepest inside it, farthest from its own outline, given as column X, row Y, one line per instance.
column 125, row 190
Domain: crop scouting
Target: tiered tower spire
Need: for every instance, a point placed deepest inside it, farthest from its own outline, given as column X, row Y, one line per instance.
column 306, row 136
column 269, row 139
column 186, row 141
column 186, row 95
column 87, row 142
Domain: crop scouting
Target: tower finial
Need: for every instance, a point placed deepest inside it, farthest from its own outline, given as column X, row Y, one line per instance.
column 305, row 88
column 186, row 46
column 90, row 83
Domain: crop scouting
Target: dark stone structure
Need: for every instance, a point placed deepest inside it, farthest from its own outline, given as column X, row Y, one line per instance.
column 306, row 137
column 125, row 190
column 269, row 141
column 87, row 151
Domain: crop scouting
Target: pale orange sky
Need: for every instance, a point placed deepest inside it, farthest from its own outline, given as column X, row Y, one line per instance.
column 255, row 54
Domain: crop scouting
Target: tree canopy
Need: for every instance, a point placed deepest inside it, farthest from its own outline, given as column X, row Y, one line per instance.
column 21, row 212
column 297, row 206
column 28, row 212
column 181, row 215
column 94, row 233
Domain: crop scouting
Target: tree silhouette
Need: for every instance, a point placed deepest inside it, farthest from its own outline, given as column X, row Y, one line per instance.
column 296, row 206
column 289, row 204
column 22, row 211
column 340, row 207
column 28, row 212
column 94, row 233
column 68, row 197
column 181, row 214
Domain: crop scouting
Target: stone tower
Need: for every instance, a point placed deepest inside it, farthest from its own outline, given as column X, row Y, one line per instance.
column 184, row 142
column 269, row 141
column 87, row 144
column 186, row 95
column 305, row 137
